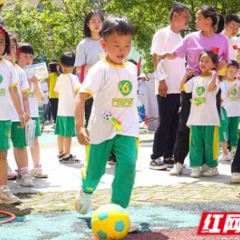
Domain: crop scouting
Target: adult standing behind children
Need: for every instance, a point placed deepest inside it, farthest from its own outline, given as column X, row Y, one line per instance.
column 208, row 38
column 167, row 90
column 89, row 50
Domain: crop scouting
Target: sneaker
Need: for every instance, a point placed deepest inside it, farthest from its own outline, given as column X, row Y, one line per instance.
column 225, row 157
column 177, row 169
column 235, row 177
column 60, row 157
column 169, row 162
column 210, row 172
column 6, row 197
column 38, row 172
column 83, row 202
column 157, row 164
column 233, row 152
column 70, row 159
column 133, row 227
column 25, row 180
column 196, row 172
column 11, row 174
column 204, row 168
column 112, row 159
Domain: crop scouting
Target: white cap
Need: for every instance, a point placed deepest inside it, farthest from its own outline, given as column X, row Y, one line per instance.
column 142, row 75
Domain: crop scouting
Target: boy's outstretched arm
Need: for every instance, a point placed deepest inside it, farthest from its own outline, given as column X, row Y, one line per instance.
column 81, row 131
column 17, row 104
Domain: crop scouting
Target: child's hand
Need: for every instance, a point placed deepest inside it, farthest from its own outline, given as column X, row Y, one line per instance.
column 83, row 136
column 234, row 86
column 22, row 120
column 34, row 80
column 190, row 73
column 213, row 73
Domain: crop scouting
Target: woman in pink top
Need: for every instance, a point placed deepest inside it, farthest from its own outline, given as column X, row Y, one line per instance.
column 207, row 38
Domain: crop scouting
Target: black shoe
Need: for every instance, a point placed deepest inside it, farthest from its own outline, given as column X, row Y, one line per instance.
column 169, row 162
column 70, row 159
column 157, row 164
column 112, row 159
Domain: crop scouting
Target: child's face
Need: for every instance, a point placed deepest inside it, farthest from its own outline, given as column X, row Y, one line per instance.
column 2, row 44
column 117, row 47
column 95, row 24
column 206, row 64
column 24, row 59
column 231, row 73
column 232, row 28
column 13, row 49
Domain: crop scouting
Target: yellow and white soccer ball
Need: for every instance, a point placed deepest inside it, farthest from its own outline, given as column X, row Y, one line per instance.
column 110, row 222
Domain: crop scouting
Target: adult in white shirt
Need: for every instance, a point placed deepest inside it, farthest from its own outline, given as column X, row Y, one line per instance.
column 168, row 95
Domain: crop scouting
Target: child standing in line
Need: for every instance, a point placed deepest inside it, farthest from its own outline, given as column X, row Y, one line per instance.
column 230, row 111
column 8, row 90
column 113, row 83
column 66, row 87
column 24, row 58
column 18, row 134
column 203, row 119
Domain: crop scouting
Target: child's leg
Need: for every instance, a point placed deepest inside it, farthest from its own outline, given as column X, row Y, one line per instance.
column 60, row 143
column 67, row 145
column 3, row 168
column 211, row 136
column 224, row 146
column 36, row 153
column 21, row 157
column 126, row 149
column 223, row 130
column 233, row 125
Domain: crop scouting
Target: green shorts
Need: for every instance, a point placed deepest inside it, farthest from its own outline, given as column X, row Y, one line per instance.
column 18, row 135
column 223, row 130
column 37, row 132
column 65, row 126
column 5, row 133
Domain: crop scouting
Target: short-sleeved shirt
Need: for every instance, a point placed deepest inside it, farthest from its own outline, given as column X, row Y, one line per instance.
column 166, row 40
column 231, row 103
column 114, row 88
column 194, row 43
column 22, row 87
column 88, row 52
column 52, row 83
column 8, row 79
column 67, row 86
column 44, row 87
column 33, row 101
column 233, row 46
column 205, row 113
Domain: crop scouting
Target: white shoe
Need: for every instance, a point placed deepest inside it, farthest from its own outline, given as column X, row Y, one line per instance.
column 196, row 172
column 133, row 227
column 6, row 197
column 233, row 152
column 204, row 168
column 25, row 180
column 38, row 172
column 235, row 177
column 177, row 169
column 225, row 157
column 83, row 202
column 210, row 172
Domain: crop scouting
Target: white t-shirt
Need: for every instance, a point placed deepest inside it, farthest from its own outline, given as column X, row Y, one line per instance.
column 44, row 87
column 205, row 114
column 33, row 101
column 233, row 46
column 22, row 87
column 166, row 40
column 114, row 89
column 8, row 78
column 231, row 103
column 67, row 86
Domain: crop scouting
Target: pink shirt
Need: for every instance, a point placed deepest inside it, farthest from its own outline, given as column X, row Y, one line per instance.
column 194, row 43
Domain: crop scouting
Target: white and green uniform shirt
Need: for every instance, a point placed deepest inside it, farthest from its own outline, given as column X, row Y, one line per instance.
column 8, row 78
column 114, row 89
column 204, row 114
column 231, row 103
column 22, row 87
column 33, row 101
column 233, row 46
column 67, row 86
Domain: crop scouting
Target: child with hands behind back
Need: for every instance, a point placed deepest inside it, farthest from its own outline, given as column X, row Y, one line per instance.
column 203, row 119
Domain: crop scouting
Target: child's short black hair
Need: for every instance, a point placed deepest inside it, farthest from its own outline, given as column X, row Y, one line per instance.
column 13, row 37
column 233, row 63
column 68, row 59
column 25, row 48
column 52, row 67
column 178, row 8
column 120, row 24
column 233, row 17
column 7, row 41
column 211, row 54
column 86, row 29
